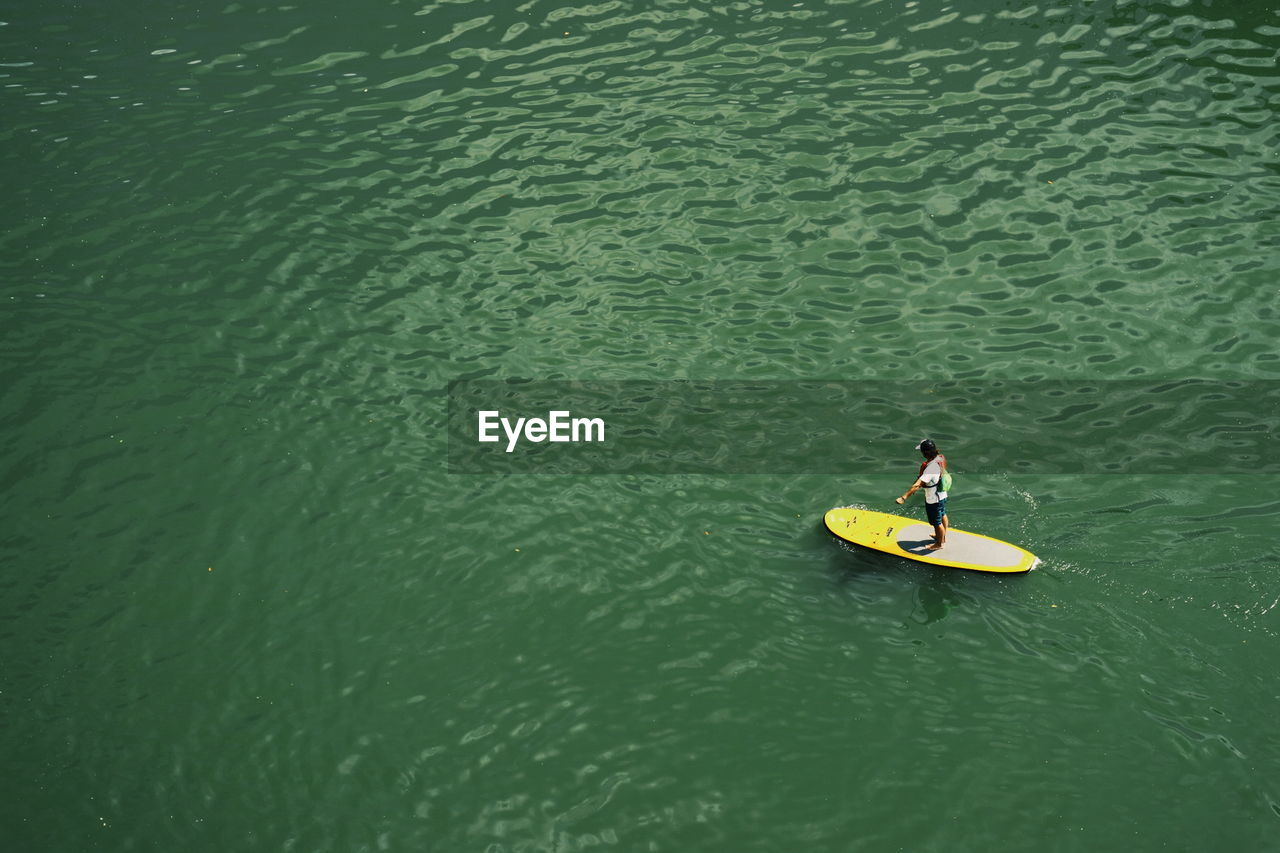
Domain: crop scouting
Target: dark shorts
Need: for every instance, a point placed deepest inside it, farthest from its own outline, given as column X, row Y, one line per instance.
column 936, row 512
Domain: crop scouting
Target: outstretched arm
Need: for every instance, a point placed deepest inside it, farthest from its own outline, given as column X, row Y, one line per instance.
column 911, row 491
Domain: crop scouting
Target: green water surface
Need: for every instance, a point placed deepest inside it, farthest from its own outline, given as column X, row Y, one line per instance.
column 245, row 248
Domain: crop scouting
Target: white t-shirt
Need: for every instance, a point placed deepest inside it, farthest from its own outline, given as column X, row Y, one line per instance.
column 930, row 476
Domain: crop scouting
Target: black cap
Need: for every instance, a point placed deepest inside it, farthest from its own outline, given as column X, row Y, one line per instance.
column 927, row 446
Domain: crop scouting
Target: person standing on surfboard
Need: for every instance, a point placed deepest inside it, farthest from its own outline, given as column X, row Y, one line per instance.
column 935, row 499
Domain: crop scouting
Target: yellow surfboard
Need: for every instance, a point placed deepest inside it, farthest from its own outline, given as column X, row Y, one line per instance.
column 910, row 538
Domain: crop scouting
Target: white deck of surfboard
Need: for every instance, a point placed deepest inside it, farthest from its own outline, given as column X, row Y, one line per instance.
column 961, row 547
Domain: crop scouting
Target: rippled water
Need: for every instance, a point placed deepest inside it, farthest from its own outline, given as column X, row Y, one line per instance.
column 246, row 248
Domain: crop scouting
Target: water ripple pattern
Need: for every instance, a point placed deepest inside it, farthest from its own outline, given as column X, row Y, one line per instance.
column 614, row 181
column 247, row 245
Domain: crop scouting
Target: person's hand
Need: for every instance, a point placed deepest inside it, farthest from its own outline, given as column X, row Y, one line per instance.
column 899, row 500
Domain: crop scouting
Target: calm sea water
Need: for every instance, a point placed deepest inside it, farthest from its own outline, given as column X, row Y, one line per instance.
column 246, row 247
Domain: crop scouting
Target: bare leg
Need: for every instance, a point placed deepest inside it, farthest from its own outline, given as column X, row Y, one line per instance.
column 939, row 536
